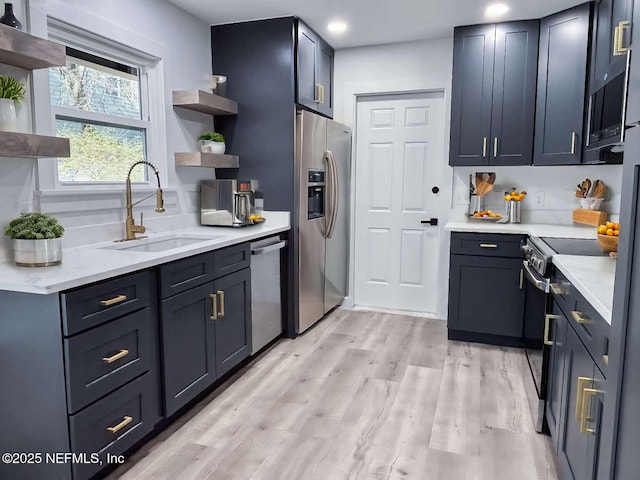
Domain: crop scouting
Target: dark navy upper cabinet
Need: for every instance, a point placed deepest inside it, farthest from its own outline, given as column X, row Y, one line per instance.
column 471, row 96
column 562, row 75
column 611, row 38
column 493, row 94
column 314, row 78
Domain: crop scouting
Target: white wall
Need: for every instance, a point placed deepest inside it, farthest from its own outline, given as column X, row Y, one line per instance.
column 157, row 27
column 427, row 65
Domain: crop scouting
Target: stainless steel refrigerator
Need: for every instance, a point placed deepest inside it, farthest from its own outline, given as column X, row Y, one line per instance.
column 322, row 170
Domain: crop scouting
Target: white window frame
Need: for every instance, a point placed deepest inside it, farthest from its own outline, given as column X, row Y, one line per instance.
column 151, row 95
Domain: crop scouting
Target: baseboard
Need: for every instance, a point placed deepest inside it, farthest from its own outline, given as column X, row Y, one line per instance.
column 503, row 341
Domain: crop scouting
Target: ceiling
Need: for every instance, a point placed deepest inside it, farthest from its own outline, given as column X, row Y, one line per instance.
column 372, row 22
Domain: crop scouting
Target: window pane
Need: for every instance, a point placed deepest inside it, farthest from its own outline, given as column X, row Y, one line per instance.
column 96, row 88
column 100, row 153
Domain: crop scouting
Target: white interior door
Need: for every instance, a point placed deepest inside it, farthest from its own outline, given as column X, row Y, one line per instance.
column 399, row 159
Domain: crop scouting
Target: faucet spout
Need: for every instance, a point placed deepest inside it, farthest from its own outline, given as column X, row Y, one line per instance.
column 130, row 225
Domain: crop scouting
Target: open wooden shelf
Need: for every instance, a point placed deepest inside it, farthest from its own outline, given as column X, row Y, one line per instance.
column 27, row 145
column 27, row 51
column 209, row 160
column 204, row 102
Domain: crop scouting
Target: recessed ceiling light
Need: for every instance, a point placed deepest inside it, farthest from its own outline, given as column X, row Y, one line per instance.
column 496, row 10
column 337, row 26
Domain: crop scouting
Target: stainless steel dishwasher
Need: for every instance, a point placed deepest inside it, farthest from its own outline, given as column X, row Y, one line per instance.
column 266, row 303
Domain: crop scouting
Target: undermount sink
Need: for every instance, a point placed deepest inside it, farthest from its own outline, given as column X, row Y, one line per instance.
column 161, row 244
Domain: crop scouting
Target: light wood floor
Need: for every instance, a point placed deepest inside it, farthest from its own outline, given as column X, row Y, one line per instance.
column 361, row 396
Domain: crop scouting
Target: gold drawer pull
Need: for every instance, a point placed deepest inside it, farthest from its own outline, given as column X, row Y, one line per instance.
column 584, row 417
column 488, row 245
column 113, row 301
column 221, row 293
column 125, row 421
column 123, row 353
column 547, row 320
column 214, row 299
column 580, row 318
column 556, row 289
column 579, row 393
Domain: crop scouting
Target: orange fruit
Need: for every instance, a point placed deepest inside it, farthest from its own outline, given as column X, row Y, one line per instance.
column 522, row 195
column 602, row 230
column 616, row 233
column 610, row 225
column 514, row 194
column 610, row 232
column 507, row 197
column 616, row 226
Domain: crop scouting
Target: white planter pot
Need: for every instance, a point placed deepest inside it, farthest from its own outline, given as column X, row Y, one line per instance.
column 37, row 253
column 8, row 121
column 207, row 146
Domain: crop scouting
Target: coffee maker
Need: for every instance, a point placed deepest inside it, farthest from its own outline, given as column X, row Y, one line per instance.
column 227, row 203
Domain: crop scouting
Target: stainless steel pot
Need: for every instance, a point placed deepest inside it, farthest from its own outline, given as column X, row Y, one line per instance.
column 37, row 253
column 513, row 211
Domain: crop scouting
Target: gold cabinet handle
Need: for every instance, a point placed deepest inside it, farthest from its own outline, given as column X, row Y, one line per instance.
column 214, row 299
column 579, row 317
column 495, row 147
column 484, row 147
column 573, row 142
column 116, row 428
column 121, row 354
column 579, row 394
column 605, row 359
column 556, row 289
column 584, row 416
column 318, row 98
column 321, row 96
column 113, row 301
column 221, row 293
column 547, row 321
column 488, row 245
column 521, row 278
column 619, row 40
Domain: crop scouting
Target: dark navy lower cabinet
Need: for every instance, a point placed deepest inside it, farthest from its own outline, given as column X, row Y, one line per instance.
column 188, row 346
column 486, row 292
column 557, row 327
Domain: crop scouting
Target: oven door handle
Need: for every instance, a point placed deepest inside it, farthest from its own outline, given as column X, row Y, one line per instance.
column 532, row 278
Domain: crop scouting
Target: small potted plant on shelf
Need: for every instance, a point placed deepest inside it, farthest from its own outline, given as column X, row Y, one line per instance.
column 37, row 240
column 212, row 142
column 11, row 93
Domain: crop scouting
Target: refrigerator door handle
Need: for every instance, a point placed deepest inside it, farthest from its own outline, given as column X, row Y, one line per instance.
column 333, row 193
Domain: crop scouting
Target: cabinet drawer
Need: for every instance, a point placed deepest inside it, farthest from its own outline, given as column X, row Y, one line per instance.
column 115, row 423
column 231, row 259
column 181, row 275
column 592, row 330
column 90, row 306
column 105, row 358
column 486, row 244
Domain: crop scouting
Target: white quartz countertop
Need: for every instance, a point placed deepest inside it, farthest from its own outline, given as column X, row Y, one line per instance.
column 593, row 277
column 533, row 229
column 92, row 263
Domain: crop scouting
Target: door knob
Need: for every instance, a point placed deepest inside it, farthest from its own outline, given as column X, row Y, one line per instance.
column 435, row 190
column 432, row 221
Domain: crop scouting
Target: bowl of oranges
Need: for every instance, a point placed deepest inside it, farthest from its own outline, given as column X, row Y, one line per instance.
column 608, row 235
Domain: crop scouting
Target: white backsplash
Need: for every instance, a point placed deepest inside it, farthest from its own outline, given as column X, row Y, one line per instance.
column 556, row 184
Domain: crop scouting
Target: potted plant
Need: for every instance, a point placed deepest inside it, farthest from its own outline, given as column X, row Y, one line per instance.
column 11, row 93
column 37, row 240
column 212, row 142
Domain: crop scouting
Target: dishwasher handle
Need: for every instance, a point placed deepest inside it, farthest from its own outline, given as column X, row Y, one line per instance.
column 269, row 248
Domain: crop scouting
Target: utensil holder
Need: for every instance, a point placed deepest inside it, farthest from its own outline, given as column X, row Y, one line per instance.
column 476, row 204
column 512, row 209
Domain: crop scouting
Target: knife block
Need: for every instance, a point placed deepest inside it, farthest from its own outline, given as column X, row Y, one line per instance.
column 589, row 217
